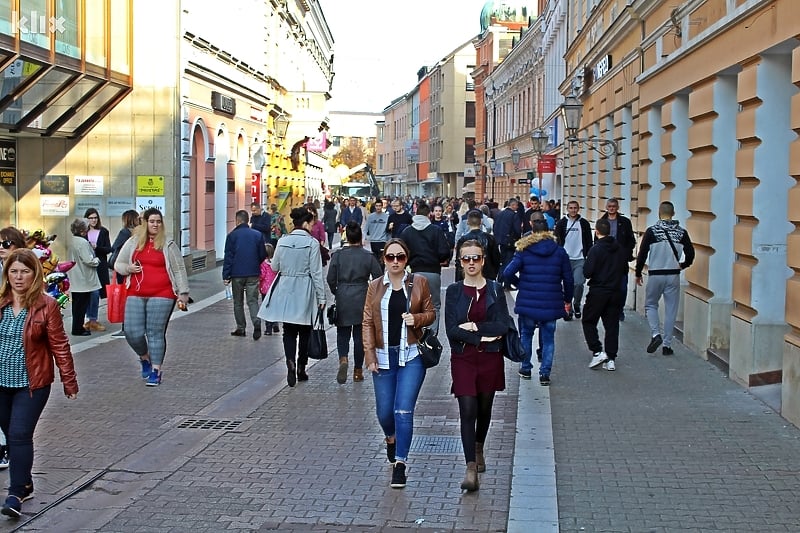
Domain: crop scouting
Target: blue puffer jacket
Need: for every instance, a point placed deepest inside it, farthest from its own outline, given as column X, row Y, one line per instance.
column 541, row 270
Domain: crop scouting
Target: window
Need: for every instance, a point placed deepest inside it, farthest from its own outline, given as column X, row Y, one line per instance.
column 469, row 150
column 469, row 121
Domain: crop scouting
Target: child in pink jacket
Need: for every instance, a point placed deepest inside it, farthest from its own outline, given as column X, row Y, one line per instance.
column 264, row 283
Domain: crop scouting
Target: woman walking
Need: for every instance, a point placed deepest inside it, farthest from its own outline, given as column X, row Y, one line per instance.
column 130, row 219
column 83, row 279
column 348, row 276
column 101, row 244
column 156, row 278
column 33, row 344
column 329, row 215
column 297, row 293
column 476, row 318
column 398, row 305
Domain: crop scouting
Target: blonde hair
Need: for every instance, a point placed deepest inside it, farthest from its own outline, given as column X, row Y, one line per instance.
column 140, row 232
column 270, row 250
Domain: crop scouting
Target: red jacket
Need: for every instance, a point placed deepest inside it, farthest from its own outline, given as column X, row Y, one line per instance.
column 44, row 342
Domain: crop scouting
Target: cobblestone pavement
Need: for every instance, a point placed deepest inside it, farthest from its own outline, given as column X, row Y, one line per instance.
column 662, row 444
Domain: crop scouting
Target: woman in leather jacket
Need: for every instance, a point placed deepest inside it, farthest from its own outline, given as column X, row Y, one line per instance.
column 392, row 325
column 33, row 344
column 476, row 318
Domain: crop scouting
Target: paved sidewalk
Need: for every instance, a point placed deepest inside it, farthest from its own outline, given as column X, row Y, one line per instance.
column 662, row 444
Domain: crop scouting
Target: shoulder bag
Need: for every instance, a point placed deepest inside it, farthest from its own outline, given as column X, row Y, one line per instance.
column 511, row 347
column 317, row 341
column 428, row 345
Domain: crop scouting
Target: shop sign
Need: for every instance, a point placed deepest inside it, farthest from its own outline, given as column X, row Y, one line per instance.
column 149, row 185
column 89, row 185
column 255, row 187
column 82, row 204
column 115, row 206
column 149, row 202
column 602, row 67
column 223, row 103
column 8, row 163
column 547, row 163
column 54, row 206
column 54, row 184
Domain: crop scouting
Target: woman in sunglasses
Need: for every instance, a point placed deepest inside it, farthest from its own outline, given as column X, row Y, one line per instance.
column 397, row 307
column 10, row 239
column 476, row 318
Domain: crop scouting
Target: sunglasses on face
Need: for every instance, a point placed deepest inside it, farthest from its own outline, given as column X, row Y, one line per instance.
column 471, row 258
column 7, row 244
column 390, row 258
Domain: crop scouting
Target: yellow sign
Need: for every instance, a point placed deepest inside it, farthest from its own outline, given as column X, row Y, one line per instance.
column 149, row 185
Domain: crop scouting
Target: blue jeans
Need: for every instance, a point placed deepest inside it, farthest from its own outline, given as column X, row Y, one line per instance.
column 547, row 333
column 396, row 392
column 20, row 409
column 94, row 305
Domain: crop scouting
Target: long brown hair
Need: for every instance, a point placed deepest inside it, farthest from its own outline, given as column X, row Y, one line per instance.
column 29, row 259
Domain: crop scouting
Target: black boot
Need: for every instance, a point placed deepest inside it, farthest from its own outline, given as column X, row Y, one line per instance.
column 291, row 375
column 301, row 373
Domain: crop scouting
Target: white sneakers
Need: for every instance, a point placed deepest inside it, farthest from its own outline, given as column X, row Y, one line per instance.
column 609, row 365
column 598, row 359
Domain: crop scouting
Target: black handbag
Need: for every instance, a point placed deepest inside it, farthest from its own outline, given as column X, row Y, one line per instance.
column 331, row 314
column 317, row 341
column 512, row 344
column 428, row 345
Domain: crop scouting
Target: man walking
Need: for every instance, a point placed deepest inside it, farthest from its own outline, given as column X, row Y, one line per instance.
column 260, row 220
column 429, row 251
column 351, row 212
column 574, row 234
column 605, row 265
column 663, row 245
column 399, row 219
column 545, row 292
column 245, row 250
column 507, row 231
column 376, row 231
column 622, row 231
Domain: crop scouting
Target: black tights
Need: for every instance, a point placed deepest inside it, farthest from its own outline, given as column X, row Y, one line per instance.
column 476, row 414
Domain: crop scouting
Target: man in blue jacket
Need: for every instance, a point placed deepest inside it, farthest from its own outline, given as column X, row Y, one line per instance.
column 545, row 293
column 245, row 250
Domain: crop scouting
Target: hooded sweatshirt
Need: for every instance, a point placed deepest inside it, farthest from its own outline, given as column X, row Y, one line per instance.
column 428, row 245
column 542, row 271
column 605, row 265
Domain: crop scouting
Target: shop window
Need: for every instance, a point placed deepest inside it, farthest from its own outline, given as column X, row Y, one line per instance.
column 34, row 22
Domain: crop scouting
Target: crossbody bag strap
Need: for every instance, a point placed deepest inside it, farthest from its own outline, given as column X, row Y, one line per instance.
column 671, row 245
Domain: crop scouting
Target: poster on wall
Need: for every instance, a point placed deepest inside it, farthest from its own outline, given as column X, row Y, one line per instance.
column 89, row 185
column 54, row 184
column 8, row 163
column 147, row 202
column 54, row 206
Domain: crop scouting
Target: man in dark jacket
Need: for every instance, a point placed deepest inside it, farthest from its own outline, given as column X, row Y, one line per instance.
column 260, row 220
column 545, row 293
column 429, row 251
column 622, row 231
column 245, row 250
column 574, row 234
column 507, row 231
column 604, row 267
column 399, row 219
column 491, row 260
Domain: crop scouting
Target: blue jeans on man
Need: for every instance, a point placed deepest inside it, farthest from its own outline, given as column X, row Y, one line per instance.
column 396, row 392
column 547, row 334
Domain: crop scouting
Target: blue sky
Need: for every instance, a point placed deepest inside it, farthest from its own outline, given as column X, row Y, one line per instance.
column 379, row 45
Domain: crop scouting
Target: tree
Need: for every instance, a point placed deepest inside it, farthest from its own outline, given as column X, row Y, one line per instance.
column 352, row 152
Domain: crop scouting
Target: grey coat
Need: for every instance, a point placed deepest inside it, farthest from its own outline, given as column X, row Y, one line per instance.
column 300, row 287
column 349, row 273
column 83, row 276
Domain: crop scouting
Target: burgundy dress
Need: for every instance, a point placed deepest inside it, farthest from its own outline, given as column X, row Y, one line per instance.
column 475, row 371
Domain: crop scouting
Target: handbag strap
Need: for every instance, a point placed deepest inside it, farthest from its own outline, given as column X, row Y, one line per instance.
column 671, row 245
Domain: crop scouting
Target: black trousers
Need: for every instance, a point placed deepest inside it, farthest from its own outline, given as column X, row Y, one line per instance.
column 605, row 306
column 296, row 349
column 80, row 302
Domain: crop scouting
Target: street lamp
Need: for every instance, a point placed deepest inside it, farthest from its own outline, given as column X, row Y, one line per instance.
column 540, row 140
column 281, row 123
column 493, row 165
column 572, row 112
column 515, row 155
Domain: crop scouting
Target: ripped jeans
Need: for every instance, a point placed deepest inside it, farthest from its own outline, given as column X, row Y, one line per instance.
column 396, row 392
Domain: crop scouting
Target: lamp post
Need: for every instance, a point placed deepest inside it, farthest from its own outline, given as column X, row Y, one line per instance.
column 515, row 156
column 493, row 167
column 477, row 165
column 539, row 140
column 572, row 112
column 281, row 123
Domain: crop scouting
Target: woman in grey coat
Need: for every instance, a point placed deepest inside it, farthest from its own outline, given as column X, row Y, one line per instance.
column 83, row 278
column 297, row 293
column 349, row 274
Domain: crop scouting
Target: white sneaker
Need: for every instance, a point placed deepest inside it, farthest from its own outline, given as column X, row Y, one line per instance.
column 609, row 365
column 598, row 359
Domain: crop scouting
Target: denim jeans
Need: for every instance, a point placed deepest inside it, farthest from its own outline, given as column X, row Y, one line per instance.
column 396, row 392
column 547, row 332
column 343, row 343
column 245, row 291
column 94, row 305
column 20, row 409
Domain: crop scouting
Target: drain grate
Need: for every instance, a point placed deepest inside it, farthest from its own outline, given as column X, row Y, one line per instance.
column 210, row 424
column 436, row 444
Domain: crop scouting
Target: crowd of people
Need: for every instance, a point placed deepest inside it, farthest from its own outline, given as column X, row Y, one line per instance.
column 384, row 260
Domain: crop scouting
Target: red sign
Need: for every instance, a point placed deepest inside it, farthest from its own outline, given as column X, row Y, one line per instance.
column 547, row 164
column 255, row 187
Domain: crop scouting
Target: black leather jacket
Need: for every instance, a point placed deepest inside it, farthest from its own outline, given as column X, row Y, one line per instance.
column 457, row 306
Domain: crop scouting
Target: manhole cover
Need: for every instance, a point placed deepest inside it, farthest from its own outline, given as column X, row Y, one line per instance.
column 436, row 444
column 210, row 423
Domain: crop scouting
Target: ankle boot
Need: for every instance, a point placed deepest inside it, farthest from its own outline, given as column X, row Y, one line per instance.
column 301, row 373
column 341, row 375
column 291, row 373
column 358, row 374
column 480, row 460
column 470, row 482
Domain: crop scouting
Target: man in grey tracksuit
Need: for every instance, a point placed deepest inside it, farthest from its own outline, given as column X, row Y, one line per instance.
column 663, row 245
column 376, row 231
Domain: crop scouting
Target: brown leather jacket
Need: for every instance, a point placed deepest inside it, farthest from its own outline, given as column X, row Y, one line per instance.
column 372, row 327
column 45, row 341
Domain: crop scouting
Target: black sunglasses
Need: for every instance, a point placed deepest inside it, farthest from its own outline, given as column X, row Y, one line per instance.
column 471, row 258
column 394, row 257
column 7, row 244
